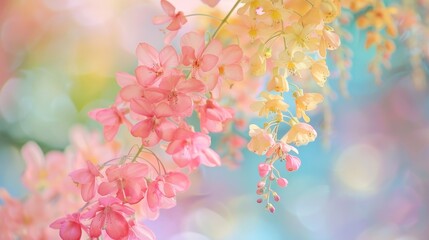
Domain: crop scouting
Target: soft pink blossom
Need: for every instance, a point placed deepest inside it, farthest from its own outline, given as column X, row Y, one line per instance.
column 127, row 181
column 70, row 227
column 264, row 169
column 196, row 54
column 154, row 65
column 85, row 177
column 110, row 215
column 292, row 163
column 213, row 116
column 111, row 119
column 282, row 182
column 176, row 19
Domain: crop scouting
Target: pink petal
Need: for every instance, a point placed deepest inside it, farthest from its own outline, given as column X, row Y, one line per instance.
column 152, row 139
column 166, row 129
column 208, row 62
column 168, row 8
column 125, row 79
column 70, row 231
column 231, row 55
column 163, row 110
column 188, row 55
column 168, row 57
column 161, row 19
column 179, row 180
column 81, row 176
column 142, row 107
column 87, row 191
column 175, row 146
column 193, row 40
column 116, row 225
column 129, row 92
column 110, row 132
column 145, row 76
column 147, row 54
column 152, row 196
column 143, row 128
column 96, row 225
column 191, row 86
column 106, row 188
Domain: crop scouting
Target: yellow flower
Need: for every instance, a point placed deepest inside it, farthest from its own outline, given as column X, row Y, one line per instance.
column 293, row 62
column 271, row 104
column 300, row 36
column 380, row 17
column 278, row 82
column 300, row 134
column 260, row 140
column 328, row 40
column 306, row 102
column 320, row 72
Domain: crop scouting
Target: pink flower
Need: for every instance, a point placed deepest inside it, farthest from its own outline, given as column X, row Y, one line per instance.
column 264, row 169
column 128, row 181
column 282, row 182
column 86, row 179
column 42, row 173
column 212, row 116
column 140, row 232
column 176, row 19
column 111, row 119
column 292, row 163
column 165, row 187
column 228, row 67
column 186, row 146
column 195, row 53
column 108, row 214
column 156, row 126
column 153, row 65
column 178, row 91
column 70, row 227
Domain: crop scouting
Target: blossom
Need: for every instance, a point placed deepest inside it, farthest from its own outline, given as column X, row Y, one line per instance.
column 108, row 214
column 292, row 163
column 271, row 104
column 328, row 40
column 156, row 126
column 85, row 177
column 165, row 187
column 300, row 134
column 176, row 19
column 154, row 65
column 42, row 173
column 264, row 169
column 293, row 62
column 278, row 82
column 70, row 227
column 111, row 119
column 260, row 140
column 212, row 116
column 320, row 72
column 196, row 54
column 299, row 36
column 179, row 91
column 128, row 181
column 189, row 148
column 282, row 182
column 306, row 102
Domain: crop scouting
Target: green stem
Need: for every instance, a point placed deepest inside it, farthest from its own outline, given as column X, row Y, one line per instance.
column 138, row 153
column 224, row 20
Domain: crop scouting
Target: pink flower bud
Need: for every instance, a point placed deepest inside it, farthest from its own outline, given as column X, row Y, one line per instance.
column 282, row 182
column 264, row 169
column 272, row 177
column 276, row 197
column 261, row 184
column 259, row 200
column 260, row 191
column 271, row 208
column 292, row 163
